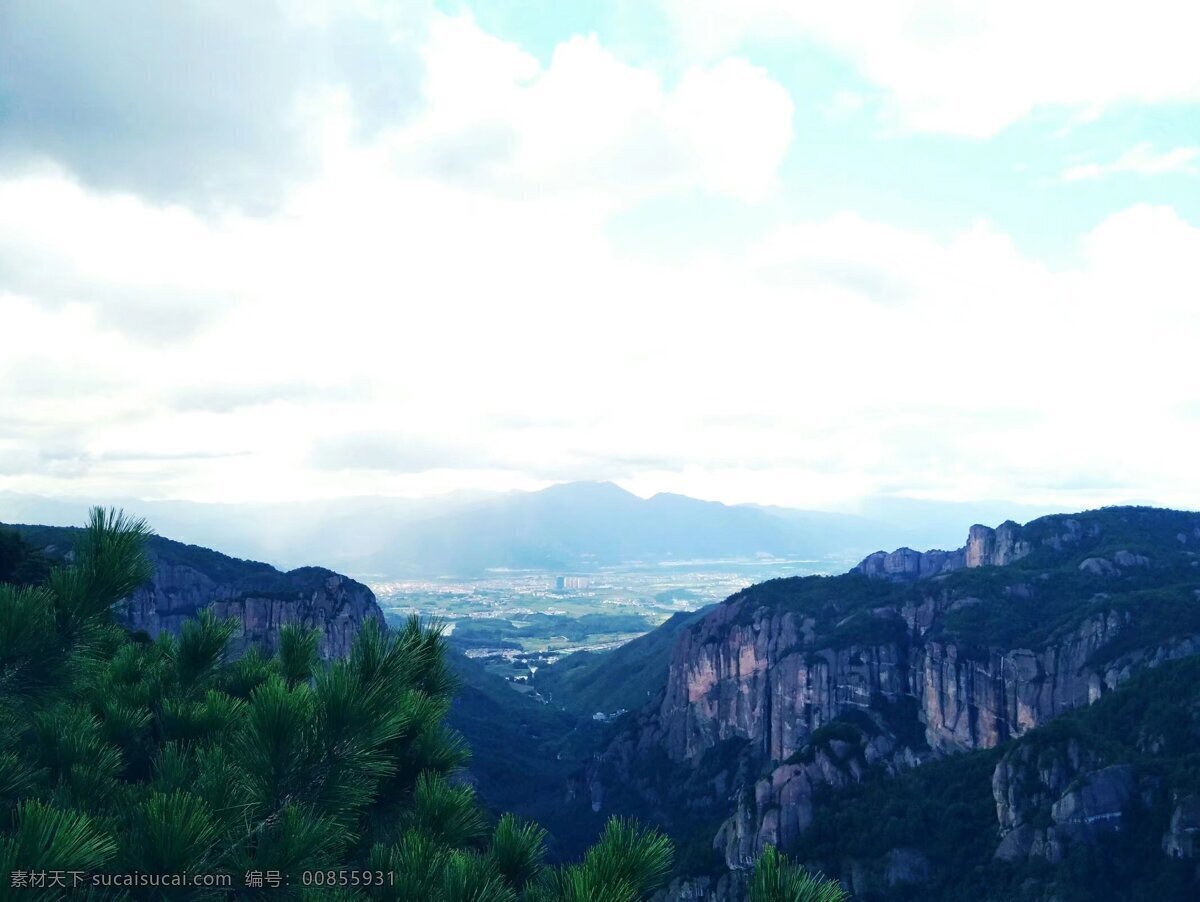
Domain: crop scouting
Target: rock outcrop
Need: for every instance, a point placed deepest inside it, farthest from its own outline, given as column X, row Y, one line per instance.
column 1182, row 839
column 260, row 599
column 1083, row 801
column 985, row 547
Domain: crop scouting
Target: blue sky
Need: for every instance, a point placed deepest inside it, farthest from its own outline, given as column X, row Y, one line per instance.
column 853, row 157
column 755, row 251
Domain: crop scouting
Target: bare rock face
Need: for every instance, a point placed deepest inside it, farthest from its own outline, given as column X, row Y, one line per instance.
column 1082, row 801
column 904, row 563
column 780, row 808
column 1129, row 559
column 1099, row 566
column 261, row 599
column 763, row 678
column 756, row 680
column 971, row 702
column 1182, row 839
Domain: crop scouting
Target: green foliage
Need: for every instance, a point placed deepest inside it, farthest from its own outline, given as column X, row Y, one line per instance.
column 946, row 811
column 446, row 812
column 626, row 677
column 20, row 563
column 170, row 833
column 298, row 653
column 517, row 849
column 944, row 808
column 840, row 730
column 200, row 648
column 44, row 837
column 121, row 754
column 776, row 879
column 32, row 661
column 627, row 863
column 531, row 746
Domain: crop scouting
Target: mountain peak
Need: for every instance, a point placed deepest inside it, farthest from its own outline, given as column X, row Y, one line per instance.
column 587, row 490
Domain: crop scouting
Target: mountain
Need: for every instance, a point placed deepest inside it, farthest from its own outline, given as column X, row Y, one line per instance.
column 587, row 524
column 797, row 691
column 567, row 526
column 261, row 599
column 623, row 678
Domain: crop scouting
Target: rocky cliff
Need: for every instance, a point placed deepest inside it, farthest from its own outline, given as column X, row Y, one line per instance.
column 1081, row 798
column 986, row 547
column 796, row 685
column 259, row 598
column 260, row 605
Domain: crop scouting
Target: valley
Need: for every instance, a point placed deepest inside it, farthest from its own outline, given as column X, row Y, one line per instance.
column 514, row 622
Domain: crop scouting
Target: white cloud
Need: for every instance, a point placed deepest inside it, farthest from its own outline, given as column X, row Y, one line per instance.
column 152, row 272
column 976, row 68
column 831, row 359
column 589, row 122
column 208, row 102
column 1140, row 159
column 441, row 308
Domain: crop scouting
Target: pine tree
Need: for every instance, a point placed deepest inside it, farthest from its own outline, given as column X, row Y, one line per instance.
column 120, row 755
column 777, row 879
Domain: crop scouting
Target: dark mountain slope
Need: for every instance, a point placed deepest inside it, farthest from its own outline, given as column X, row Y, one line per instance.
column 624, row 678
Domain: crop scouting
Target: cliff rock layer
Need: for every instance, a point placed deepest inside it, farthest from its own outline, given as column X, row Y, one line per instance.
column 801, row 683
column 259, row 598
column 261, row 602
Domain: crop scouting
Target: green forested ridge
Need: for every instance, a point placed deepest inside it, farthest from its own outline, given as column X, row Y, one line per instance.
column 946, row 811
column 20, row 562
column 121, row 755
column 1029, row 603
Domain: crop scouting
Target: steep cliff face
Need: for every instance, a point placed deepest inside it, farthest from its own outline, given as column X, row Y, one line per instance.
column 261, row 602
column 962, row 704
column 1182, row 839
column 923, row 655
column 763, row 677
column 259, row 598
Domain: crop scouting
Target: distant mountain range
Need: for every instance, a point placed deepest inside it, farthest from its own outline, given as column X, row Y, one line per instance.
column 572, row 526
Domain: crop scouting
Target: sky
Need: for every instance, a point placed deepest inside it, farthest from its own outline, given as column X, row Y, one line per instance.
column 745, row 250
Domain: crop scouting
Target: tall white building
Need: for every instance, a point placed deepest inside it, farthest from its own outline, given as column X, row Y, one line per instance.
column 572, row 582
